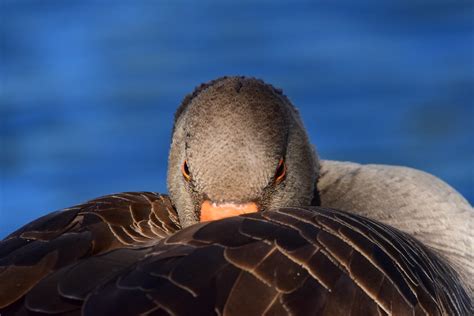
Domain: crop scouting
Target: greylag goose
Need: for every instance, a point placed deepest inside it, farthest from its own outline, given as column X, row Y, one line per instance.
column 250, row 227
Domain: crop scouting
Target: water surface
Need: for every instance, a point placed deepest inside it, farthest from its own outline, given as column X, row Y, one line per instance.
column 89, row 87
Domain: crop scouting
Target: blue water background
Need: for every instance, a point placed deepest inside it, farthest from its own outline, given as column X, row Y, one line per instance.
column 89, row 88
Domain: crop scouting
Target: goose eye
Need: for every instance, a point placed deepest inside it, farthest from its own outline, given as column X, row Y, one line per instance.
column 280, row 172
column 185, row 171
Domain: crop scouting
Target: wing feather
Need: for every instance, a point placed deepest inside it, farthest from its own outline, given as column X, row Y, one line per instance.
column 295, row 261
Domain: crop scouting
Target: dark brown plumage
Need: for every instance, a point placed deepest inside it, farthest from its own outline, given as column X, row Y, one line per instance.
column 60, row 239
column 142, row 253
column 120, row 254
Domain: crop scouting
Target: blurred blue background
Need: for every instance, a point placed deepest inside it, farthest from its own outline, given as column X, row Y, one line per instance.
column 89, row 88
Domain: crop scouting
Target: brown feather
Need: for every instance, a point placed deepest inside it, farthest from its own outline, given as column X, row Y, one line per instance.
column 288, row 261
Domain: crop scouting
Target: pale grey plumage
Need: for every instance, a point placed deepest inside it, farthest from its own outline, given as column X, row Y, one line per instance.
column 411, row 200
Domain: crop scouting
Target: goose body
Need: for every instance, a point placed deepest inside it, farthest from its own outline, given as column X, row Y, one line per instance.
column 400, row 243
column 126, row 254
column 410, row 200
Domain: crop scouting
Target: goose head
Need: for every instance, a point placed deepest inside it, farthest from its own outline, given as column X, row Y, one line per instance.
column 238, row 146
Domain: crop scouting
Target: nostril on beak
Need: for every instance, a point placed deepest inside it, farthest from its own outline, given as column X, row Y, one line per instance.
column 213, row 211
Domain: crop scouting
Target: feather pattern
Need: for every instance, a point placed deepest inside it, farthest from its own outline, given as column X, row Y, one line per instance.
column 63, row 238
column 127, row 254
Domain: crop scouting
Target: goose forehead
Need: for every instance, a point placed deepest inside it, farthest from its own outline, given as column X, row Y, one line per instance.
column 239, row 125
column 236, row 142
column 221, row 117
column 245, row 102
column 226, row 170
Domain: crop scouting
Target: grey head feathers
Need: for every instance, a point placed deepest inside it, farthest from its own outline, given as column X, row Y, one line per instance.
column 232, row 133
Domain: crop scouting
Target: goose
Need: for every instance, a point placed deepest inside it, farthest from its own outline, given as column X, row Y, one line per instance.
column 254, row 223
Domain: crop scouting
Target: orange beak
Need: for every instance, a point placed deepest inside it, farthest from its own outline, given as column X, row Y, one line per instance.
column 212, row 211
